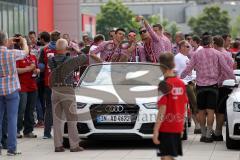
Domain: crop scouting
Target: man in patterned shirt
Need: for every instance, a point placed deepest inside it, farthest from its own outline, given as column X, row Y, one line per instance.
column 153, row 45
column 9, row 86
column 167, row 43
column 135, row 49
column 208, row 63
column 218, row 44
column 113, row 50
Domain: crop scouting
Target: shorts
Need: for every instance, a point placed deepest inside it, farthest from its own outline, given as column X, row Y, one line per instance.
column 170, row 145
column 207, row 97
column 222, row 99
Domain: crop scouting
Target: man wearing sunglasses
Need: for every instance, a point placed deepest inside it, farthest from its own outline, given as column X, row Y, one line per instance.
column 111, row 51
column 181, row 61
column 135, row 50
column 151, row 41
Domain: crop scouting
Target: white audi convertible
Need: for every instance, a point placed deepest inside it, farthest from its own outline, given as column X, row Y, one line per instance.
column 117, row 101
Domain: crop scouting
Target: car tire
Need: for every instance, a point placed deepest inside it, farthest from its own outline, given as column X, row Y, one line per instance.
column 66, row 143
column 230, row 143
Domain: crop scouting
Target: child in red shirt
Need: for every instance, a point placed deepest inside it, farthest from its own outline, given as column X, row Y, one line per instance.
column 170, row 119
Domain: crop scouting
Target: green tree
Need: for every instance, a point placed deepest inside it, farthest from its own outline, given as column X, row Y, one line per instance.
column 235, row 30
column 168, row 26
column 211, row 20
column 115, row 15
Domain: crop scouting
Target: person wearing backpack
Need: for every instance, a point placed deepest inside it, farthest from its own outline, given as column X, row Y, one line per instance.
column 63, row 95
column 48, row 51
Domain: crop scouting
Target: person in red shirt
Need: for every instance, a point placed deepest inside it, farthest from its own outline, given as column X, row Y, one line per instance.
column 27, row 72
column 48, row 50
column 170, row 119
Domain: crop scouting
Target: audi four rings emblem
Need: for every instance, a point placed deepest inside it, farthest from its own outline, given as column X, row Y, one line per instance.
column 114, row 108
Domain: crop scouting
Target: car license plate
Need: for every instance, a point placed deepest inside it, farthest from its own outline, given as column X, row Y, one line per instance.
column 114, row 118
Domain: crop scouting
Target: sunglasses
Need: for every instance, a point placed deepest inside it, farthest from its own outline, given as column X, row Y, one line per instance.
column 142, row 31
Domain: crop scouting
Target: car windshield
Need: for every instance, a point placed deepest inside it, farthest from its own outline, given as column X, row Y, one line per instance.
column 122, row 74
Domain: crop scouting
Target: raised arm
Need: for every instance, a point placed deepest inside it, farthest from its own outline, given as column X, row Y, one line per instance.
column 153, row 35
column 21, row 54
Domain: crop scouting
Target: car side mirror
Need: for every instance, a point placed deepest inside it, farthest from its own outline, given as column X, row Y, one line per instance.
column 229, row 83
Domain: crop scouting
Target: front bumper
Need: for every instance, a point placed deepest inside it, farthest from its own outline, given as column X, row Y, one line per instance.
column 233, row 124
column 141, row 129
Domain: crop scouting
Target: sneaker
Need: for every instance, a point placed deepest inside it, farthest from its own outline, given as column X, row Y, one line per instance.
column 30, row 135
column 217, row 138
column 13, row 153
column 202, row 139
column 19, row 135
column 4, row 146
column 197, row 131
column 208, row 140
column 77, row 149
column 47, row 136
column 59, row 149
column 40, row 124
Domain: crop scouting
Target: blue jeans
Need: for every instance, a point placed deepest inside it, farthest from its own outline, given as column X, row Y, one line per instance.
column 4, row 130
column 10, row 102
column 48, row 118
column 40, row 108
column 25, row 111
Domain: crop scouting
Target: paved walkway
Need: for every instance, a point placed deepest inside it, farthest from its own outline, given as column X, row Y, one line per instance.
column 40, row 149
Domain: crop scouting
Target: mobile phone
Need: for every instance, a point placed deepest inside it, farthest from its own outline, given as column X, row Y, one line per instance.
column 17, row 40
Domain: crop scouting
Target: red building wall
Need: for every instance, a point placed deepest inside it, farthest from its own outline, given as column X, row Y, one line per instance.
column 45, row 15
column 89, row 24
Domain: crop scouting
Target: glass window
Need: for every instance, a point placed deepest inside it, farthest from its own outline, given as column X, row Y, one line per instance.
column 21, row 19
column 16, row 19
column 11, row 19
column 31, row 15
column 26, row 19
column 35, row 18
column 5, row 18
column 1, row 16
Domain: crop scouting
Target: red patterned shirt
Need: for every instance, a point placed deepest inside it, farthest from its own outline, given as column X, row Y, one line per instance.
column 108, row 49
column 209, row 64
column 230, row 63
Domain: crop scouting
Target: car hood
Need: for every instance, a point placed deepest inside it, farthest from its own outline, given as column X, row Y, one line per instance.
column 129, row 94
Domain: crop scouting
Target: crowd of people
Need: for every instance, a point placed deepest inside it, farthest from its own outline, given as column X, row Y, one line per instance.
column 28, row 62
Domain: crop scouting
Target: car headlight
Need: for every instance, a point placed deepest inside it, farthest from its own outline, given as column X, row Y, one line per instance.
column 150, row 105
column 81, row 105
column 236, row 106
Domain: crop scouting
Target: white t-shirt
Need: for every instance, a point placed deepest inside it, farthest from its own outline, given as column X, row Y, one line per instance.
column 92, row 48
column 181, row 62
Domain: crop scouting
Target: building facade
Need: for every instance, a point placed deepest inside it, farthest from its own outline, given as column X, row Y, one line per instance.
column 22, row 16
column 18, row 16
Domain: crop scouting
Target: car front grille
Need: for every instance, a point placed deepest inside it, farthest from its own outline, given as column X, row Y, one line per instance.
column 103, row 109
column 147, row 128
